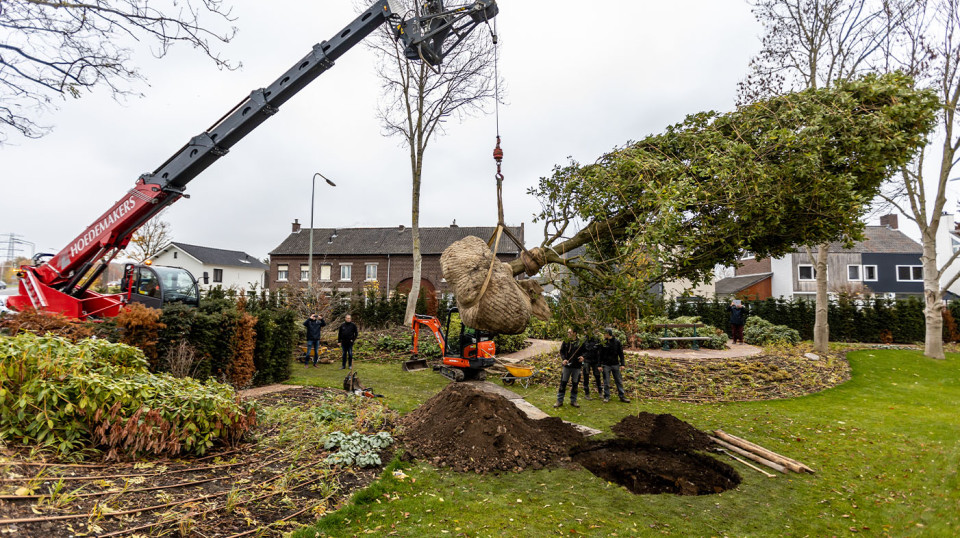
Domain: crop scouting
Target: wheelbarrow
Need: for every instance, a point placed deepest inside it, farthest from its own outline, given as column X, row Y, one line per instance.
column 521, row 374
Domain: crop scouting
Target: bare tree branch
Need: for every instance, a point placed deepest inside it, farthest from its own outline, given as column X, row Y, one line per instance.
column 51, row 49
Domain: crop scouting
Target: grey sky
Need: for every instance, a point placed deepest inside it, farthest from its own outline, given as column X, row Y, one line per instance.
column 581, row 78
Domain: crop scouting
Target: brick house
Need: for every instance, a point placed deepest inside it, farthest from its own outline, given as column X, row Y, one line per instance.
column 347, row 260
column 885, row 263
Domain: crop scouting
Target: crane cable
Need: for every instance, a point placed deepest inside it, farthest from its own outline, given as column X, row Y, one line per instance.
column 530, row 264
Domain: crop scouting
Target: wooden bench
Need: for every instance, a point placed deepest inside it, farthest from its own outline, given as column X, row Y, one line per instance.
column 666, row 338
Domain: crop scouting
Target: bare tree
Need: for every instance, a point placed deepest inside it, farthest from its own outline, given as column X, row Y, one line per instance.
column 814, row 44
column 150, row 240
column 929, row 49
column 418, row 98
column 51, row 48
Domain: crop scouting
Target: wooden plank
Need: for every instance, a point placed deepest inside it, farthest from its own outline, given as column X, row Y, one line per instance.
column 750, row 455
column 750, row 465
column 674, row 338
column 679, row 325
column 789, row 463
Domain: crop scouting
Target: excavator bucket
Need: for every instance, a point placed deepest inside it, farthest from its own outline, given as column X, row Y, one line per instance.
column 415, row 365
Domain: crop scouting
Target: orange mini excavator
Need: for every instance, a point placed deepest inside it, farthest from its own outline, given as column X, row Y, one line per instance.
column 466, row 357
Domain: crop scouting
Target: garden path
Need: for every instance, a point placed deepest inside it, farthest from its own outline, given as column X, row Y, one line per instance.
column 731, row 352
column 266, row 389
column 536, row 347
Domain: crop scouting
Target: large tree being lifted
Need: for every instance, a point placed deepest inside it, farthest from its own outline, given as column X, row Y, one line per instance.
column 793, row 170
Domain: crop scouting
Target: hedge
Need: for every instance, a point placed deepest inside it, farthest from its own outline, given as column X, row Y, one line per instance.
column 863, row 320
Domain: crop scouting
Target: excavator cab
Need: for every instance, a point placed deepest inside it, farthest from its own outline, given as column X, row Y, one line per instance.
column 157, row 285
column 466, row 355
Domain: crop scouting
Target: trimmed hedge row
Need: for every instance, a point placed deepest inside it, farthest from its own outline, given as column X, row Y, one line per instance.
column 867, row 320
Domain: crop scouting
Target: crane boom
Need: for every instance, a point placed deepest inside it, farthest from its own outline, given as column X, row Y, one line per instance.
column 61, row 283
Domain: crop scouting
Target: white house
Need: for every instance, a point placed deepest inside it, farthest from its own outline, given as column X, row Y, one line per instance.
column 214, row 266
column 948, row 242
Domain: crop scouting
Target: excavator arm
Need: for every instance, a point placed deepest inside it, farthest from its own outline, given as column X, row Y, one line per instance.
column 61, row 283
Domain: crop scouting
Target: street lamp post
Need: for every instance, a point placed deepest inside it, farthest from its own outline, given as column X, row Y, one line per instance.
column 313, row 189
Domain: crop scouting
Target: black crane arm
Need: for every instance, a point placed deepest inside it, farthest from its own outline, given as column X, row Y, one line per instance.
column 422, row 37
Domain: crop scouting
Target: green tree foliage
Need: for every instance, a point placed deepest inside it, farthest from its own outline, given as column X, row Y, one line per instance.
column 791, row 170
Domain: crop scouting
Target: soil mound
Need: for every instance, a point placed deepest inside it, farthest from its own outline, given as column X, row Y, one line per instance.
column 467, row 429
column 643, row 469
column 664, row 431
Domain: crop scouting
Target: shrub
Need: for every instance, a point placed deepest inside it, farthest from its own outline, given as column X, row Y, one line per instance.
column 68, row 397
column 35, row 322
column 140, row 327
column 240, row 369
column 760, row 332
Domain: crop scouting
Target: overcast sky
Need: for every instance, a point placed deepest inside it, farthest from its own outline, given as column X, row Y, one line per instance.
column 581, row 77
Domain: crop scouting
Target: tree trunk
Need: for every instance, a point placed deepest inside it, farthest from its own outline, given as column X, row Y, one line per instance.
column 932, row 298
column 821, row 329
column 415, row 234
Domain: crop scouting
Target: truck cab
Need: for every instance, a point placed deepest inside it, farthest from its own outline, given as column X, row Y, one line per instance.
column 157, row 285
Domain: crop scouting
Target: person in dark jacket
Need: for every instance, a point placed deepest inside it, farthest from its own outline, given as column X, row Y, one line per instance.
column 571, row 353
column 313, row 325
column 738, row 317
column 611, row 356
column 346, row 336
column 591, row 364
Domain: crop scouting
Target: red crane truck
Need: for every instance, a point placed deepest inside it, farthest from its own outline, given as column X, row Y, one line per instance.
column 61, row 282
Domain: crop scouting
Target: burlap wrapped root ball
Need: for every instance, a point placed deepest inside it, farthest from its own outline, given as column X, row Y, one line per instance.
column 505, row 307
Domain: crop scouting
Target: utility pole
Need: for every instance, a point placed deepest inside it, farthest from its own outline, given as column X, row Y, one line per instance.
column 14, row 247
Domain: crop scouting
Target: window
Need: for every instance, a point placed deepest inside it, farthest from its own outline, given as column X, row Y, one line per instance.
column 748, row 255
column 346, row 272
column 853, row 273
column 870, row 273
column 806, row 272
column 325, row 273
column 282, row 272
column 175, row 252
column 218, row 275
column 371, row 271
column 909, row 273
column 956, row 244
column 304, row 272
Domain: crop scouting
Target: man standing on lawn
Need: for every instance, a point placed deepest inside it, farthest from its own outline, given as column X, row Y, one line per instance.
column 591, row 365
column 313, row 326
column 738, row 317
column 571, row 353
column 611, row 356
column 346, row 336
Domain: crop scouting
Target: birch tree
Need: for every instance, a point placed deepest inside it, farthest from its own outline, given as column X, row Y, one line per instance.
column 928, row 48
column 418, row 98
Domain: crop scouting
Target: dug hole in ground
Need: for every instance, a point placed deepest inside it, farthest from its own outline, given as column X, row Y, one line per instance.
column 470, row 430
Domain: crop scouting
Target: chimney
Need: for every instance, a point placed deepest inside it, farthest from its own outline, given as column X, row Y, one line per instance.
column 889, row 220
column 454, row 225
column 296, row 226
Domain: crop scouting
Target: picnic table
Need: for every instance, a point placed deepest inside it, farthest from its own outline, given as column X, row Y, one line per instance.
column 666, row 338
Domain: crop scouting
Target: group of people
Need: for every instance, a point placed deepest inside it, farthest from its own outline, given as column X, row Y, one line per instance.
column 346, row 336
column 582, row 357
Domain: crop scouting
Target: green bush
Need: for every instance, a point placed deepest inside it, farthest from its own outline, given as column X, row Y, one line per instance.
column 94, row 394
column 760, row 332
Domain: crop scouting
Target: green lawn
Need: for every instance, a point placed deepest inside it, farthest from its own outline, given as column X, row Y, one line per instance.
column 886, row 446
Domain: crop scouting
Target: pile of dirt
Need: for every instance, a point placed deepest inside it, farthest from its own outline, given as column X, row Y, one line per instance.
column 664, row 431
column 645, row 469
column 467, row 429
